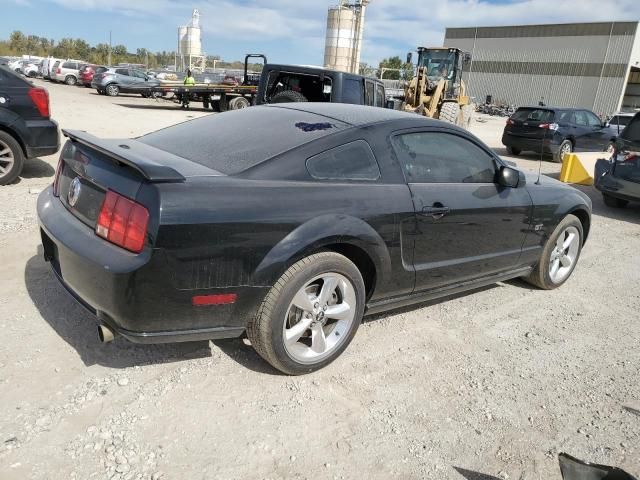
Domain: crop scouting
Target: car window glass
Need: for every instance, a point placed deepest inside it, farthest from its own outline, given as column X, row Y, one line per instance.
column 122, row 71
column 369, row 93
column 67, row 65
column 533, row 115
column 352, row 161
column 436, row 157
column 565, row 117
column 580, row 118
column 592, row 120
column 352, row 91
column 139, row 74
column 380, row 96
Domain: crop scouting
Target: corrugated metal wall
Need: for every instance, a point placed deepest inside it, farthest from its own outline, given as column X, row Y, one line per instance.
column 573, row 65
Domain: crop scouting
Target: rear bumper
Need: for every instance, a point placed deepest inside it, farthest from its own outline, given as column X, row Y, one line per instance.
column 548, row 145
column 39, row 137
column 133, row 293
column 613, row 186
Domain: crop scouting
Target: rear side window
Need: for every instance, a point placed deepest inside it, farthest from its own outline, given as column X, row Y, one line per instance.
column 122, row 71
column 533, row 115
column 241, row 139
column 380, row 96
column 352, row 91
column 369, row 93
column 70, row 65
column 352, row 161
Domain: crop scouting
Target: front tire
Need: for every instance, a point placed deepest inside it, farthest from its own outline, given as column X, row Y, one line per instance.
column 450, row 113
column 614, row 202
column 70, row 80
column 559, row 256
column 310, row 315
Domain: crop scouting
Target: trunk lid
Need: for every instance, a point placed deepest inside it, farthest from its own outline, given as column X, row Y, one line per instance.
column 525, row 122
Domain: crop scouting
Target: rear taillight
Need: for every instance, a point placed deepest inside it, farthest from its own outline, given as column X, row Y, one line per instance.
column 510, row 122
column 123, row 222
column 56, row 179
column 549, row 126
column 40, row 99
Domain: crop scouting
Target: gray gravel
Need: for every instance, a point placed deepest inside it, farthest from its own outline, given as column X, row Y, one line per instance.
column 494, row 382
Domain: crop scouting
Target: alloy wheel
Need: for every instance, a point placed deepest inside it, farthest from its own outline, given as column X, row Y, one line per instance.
column 564, row 254
column 6, row 159
column 319, row 318
column 566, row 149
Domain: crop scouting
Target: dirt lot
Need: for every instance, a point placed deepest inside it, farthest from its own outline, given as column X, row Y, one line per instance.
column 495, row 382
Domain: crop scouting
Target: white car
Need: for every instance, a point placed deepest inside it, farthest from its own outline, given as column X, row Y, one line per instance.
column 67, row 71
column 31, row 69
column 47, row 66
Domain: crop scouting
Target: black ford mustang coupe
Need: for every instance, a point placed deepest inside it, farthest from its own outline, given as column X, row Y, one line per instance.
column 290, row 222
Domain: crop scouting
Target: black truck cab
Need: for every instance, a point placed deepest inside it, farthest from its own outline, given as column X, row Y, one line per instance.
column 298, row 83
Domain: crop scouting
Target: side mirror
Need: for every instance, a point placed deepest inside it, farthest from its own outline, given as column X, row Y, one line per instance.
column 409, row 57
column 509, row 177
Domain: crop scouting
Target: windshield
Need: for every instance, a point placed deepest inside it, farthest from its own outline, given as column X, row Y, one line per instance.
column 439, row 63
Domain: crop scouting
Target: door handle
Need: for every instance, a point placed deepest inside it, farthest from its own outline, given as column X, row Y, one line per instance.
column 436, row 212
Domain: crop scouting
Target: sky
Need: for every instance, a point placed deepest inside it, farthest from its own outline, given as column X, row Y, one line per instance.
column 288, row 31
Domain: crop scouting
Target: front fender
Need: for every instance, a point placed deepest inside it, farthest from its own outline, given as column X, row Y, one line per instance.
column 320, row 232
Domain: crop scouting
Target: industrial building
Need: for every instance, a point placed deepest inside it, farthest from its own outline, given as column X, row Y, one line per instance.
column 588, row 65
column 343, row 44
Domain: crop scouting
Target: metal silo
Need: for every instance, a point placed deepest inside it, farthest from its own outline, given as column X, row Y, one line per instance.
column 345, row 25
column 189, row 44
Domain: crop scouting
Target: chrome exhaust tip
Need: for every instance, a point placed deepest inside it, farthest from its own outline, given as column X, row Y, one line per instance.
column 105, row 334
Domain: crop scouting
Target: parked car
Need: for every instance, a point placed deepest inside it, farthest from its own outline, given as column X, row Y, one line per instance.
column 87, row 72
column 32, row 69
column 193, row 232
column 67, row 71
column 26, row 129
column 17, row 65
column 116, row 80
column 295, row 83
column 618, row 177
column 555, row 130
column 49, row 66
column 618, row 122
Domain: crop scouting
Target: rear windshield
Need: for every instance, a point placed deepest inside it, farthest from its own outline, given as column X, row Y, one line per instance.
column 620, row 120
column 533, row 115
column 235, row 141
column 632, row 131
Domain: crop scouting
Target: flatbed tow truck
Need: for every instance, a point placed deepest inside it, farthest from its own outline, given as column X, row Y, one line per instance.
column 218, row 96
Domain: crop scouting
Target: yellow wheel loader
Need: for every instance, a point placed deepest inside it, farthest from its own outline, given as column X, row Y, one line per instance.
column 437, row 90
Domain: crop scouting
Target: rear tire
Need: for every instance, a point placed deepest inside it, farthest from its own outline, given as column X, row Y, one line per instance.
column 70, row 80
column 288, row 96
column 112, row 90
column 513, row 151
column 556, row 251
column 11, row 158
column 467, row 115
column 278, row 330
column 565, row 147
column 614, row 202
column 450, row 112
column 238, row 103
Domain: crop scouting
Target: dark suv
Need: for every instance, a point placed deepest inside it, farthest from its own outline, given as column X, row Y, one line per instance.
column 295, row 83
column 618, row 178
column 26, row 131
column 555, row 131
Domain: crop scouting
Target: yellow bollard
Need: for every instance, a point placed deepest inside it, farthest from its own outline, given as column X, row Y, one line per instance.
column 573, row 171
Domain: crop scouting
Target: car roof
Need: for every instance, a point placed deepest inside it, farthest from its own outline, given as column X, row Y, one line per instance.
column 355, row 115
column 313, row 69
column 551, row 107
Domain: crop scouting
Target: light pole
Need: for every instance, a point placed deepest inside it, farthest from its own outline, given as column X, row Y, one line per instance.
column 109, row 61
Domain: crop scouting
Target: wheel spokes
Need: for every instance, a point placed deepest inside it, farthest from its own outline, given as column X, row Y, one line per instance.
column 4, row 151
column 303, row 301
column 565, row 260
column 341, row 311
column 555, row 267
column 569, row 240
column 318, row 338
column 293, row 334
column 328, row 287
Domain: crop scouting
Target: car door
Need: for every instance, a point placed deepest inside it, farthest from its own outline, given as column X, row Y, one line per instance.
column 123, row 78
column 580, row 130
column 467, row 226
column 598, row 135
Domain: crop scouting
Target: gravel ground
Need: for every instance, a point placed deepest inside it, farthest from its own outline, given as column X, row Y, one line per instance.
column 490, row 384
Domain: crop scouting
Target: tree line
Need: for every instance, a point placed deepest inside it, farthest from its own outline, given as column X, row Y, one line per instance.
column 78, row 49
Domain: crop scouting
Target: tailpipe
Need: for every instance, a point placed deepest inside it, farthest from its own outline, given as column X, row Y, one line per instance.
column 105, row 334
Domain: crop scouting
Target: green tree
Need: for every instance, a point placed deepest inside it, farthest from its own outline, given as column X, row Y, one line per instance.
column 17, row 41
column 398, row 69
column 82, row 49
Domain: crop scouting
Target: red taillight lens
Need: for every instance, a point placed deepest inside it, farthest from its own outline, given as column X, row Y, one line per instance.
column 123, row 222
column 40, row 99
column 510, row 122
column 56, row 179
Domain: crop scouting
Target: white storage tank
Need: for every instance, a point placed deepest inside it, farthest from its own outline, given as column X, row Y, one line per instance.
column 345, row 24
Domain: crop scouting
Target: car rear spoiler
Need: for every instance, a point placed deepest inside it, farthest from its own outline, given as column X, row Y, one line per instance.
column 134, row 154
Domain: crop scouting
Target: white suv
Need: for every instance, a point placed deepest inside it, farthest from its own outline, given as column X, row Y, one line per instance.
column 67, row 71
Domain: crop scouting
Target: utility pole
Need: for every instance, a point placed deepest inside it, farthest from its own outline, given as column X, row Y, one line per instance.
column 109, row 61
